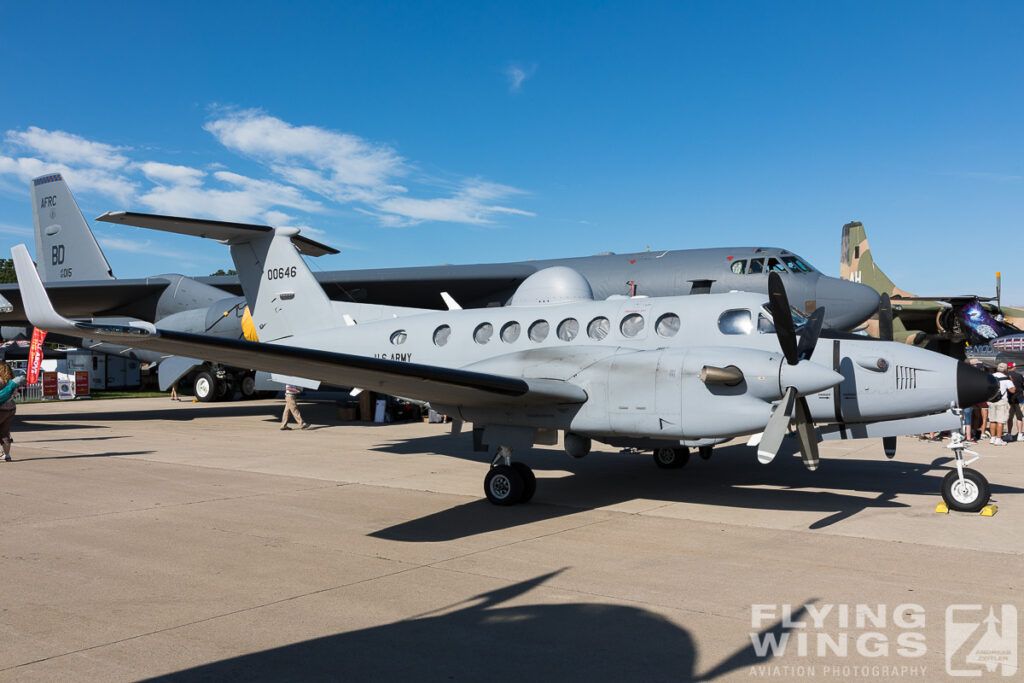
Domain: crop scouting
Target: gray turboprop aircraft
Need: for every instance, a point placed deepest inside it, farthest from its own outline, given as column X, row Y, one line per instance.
column 665, row 374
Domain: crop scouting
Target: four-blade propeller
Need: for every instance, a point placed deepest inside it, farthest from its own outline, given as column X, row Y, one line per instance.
column 791, row 409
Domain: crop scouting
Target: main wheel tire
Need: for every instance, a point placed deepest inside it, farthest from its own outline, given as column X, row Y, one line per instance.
column 529, row 481
column 969, row 496
column 705, row 452
column 671, row 458
column 225, row 390
column 205, row 387
column 248, row 387
column 503, row 485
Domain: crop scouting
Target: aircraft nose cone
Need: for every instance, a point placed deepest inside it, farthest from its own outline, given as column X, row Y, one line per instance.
column 847, row 304
column 973, row 386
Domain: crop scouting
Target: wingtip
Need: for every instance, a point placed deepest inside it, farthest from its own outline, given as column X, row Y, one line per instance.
column 38, row 309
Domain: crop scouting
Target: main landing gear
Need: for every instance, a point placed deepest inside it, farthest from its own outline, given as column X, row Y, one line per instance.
column 507, row 482
column 964, row 490
column 674, row 458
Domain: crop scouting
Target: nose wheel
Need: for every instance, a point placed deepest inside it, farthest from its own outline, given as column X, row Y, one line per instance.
column 507, row 482
column 964, row 489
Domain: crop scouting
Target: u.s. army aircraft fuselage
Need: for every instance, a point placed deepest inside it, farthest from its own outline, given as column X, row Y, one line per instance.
column 662, row 373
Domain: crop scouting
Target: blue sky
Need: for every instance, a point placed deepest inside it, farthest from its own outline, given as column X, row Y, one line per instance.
column 424, row 133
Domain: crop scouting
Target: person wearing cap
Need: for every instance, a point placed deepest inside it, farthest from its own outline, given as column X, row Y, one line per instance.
column 999, row 410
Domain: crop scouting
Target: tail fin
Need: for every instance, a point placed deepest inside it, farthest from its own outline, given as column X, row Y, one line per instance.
column 857, row 265
column 65, row 246
column 282, row 292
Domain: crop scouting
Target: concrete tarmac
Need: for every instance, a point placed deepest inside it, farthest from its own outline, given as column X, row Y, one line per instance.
column 147, row 538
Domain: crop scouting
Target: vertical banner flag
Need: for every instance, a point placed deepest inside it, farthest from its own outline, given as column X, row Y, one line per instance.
column 35, row 354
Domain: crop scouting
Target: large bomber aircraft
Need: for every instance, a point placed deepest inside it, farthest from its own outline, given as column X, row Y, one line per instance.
column 663, row 374
column 80, row 283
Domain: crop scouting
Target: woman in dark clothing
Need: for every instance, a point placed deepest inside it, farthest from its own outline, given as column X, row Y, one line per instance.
column 8, row 385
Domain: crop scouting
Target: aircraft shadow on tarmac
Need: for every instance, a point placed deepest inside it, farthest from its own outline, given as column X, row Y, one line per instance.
column 96, row 418
column 479, row 639
column 731, row 478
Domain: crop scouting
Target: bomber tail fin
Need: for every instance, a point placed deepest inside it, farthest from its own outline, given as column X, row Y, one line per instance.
column 66, row 249
column 857, row 264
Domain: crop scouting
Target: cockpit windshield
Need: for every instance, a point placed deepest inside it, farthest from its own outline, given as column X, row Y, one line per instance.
column 765, row 325
column 785, row 262
column 796, row 265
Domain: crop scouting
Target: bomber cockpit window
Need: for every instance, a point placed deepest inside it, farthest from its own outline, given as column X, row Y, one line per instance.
column 756, row 266
column 775, row 266
column 738, row 266
column 796, row 265
column 738, row 321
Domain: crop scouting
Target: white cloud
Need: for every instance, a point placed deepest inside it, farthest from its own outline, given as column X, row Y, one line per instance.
column 66, row 148
column 147, row 247
column 169, row 173
column 517, row 74
column 309, row 169
column 19, row 230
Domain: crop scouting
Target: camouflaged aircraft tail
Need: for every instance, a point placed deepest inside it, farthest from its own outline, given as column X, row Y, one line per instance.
column 857, row 265
column 66, row 249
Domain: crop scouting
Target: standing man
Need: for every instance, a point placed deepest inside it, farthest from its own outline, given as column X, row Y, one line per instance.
column 1016, row 414
column 291, row 408
column 999, row 410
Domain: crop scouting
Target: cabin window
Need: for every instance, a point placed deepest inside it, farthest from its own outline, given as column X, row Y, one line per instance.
column 598, row 328
column 398, row 337
column 775, row 266
column 765, row 324
column 539, row 331
column 568, row 329
column 483, row 332
column 795, row 264
column 667, row 325
column 756, row 265
column 737, row 321
column 632, row 325
column 738, row 266
column 510, row 332
column 441, row 335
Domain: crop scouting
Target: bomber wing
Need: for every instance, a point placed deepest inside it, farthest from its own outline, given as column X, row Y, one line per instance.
column 130, row 298
column 413, row 380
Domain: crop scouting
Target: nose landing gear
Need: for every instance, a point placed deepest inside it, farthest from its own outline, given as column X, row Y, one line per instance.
column 964, row 490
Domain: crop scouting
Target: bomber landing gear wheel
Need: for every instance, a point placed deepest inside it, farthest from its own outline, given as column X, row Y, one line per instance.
column 503, row 485
column 248, row 387
column 529, row 481
column 671, row 458
column 206, row 387
column 705, row 452
column 970, row 495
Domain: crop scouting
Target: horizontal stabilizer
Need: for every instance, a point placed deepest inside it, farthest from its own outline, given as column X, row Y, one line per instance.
column 941, row 422
column 222, row 231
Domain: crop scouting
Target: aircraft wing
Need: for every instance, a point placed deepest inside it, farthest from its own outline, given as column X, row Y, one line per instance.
column 412, row 380
column 91, row 299
column 200, row 227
